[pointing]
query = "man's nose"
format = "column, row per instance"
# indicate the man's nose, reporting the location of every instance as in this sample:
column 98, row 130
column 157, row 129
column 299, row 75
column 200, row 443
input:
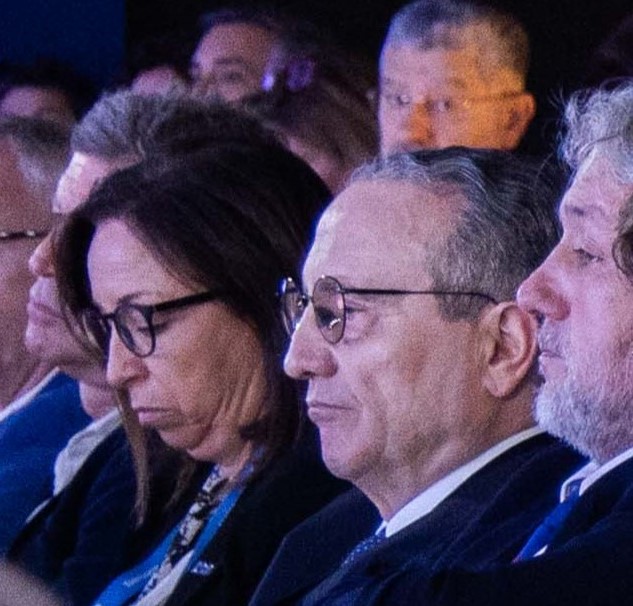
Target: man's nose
column 417, row 126
column 309, row 355
column 541, row 294
column 41, row 260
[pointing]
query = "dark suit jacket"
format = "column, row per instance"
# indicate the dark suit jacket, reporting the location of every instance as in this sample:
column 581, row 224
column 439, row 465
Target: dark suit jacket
column 75, row 541
column 87, row 534
column 30, row 440
column 589, row 562
column 286, row 493
column 454, row 531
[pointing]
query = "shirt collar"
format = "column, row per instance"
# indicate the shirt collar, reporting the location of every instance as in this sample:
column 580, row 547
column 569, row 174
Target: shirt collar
column 430, row 498
column 592, row 472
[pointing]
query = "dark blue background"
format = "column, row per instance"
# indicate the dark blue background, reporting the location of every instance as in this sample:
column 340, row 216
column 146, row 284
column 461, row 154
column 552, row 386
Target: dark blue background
column 88, row 34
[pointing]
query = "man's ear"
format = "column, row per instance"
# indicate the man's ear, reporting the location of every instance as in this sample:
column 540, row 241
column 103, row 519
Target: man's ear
column 509, row 348
column 520, row 114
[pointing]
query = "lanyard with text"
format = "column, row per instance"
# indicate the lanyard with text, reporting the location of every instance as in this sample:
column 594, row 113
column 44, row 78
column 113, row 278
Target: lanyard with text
column 131, row 583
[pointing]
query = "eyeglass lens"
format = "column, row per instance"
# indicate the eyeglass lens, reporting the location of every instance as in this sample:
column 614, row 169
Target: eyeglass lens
column 135, row 329
column 132, row 326
column 329, row 307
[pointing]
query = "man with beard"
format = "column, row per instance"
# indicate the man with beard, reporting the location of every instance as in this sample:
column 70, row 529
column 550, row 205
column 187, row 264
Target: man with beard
column 581, row 295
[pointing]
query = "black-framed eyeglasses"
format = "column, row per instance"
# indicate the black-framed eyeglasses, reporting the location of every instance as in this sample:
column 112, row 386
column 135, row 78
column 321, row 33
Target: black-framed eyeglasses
column 328, row 299
column 25, row 234
column 134, row 322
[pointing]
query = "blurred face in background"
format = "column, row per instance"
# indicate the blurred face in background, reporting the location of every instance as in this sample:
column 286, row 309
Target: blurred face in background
column 231, row 59
column 38, row 102
column 47, row 334
column 20, row 210
column 438, row 97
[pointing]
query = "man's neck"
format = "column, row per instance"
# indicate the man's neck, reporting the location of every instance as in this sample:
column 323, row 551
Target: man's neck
column 395, row 489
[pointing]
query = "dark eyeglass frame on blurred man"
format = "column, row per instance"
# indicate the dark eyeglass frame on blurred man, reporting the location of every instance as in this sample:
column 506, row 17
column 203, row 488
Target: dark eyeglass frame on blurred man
column 25, row 234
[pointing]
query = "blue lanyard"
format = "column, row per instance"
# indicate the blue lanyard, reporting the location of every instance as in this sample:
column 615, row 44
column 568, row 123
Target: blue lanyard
column 131, row 583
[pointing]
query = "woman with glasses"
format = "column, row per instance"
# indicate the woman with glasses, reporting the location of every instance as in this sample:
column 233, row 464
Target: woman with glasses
column 173, row 271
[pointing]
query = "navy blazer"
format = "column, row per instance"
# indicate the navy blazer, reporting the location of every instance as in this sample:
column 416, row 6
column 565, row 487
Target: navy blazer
column 30, row 440
column 74, row 543
column 588, row 563
column 87, row 534
column 483, row 521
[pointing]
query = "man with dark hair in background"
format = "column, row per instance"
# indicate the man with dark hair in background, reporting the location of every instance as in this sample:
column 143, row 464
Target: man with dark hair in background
column 453, row 73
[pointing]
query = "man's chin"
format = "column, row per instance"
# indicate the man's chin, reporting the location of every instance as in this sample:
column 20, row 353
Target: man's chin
column 550, row 408
column 36, row 343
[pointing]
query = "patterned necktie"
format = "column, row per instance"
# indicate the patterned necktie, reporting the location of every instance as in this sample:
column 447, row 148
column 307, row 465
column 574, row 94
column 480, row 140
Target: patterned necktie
column 206, row 502
column 364, row 546
column 549, row 528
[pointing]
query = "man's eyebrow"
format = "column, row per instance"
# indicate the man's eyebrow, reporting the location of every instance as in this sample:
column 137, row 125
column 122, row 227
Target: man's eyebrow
column 583, row 211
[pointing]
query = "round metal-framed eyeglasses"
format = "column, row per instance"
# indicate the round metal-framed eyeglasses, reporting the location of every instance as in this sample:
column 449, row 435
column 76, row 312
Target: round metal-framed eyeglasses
column 328, row 300
column 134, row 323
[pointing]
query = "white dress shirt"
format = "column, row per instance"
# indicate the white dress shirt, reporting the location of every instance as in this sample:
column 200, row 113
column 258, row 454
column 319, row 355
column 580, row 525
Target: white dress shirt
column 430, row 498
column 592, row 472
column 80, row 447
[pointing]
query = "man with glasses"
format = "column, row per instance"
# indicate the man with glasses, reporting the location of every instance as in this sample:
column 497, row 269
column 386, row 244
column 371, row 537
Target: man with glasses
column 582, row 552
column 33, row 153
column 420, row 372
column 453, row 73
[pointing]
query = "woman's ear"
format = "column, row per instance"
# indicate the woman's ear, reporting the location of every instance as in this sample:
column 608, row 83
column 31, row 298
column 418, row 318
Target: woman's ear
column 509, row 348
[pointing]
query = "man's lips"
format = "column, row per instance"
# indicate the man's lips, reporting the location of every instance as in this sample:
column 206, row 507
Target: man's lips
column 38, row 310
column 550, row 345
column 323, row 412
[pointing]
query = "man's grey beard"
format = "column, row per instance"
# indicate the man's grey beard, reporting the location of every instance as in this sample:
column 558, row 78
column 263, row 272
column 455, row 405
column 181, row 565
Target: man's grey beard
column 595, row 414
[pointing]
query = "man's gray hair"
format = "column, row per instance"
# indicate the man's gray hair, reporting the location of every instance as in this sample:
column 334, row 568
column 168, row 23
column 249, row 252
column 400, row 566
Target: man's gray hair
column 42, row 151
column 501, row 39
column 601, row 118
column 129, row 125
column 506, row 219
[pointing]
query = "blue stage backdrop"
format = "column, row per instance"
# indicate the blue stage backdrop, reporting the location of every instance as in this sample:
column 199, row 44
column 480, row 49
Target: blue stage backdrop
column 87, row 34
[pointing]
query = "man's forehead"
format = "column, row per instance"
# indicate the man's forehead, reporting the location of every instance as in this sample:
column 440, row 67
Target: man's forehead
column 419, row 60
column 234, row 40
column 595, row 196
column 377, row 228
column 462, row 62
column 80, row 177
